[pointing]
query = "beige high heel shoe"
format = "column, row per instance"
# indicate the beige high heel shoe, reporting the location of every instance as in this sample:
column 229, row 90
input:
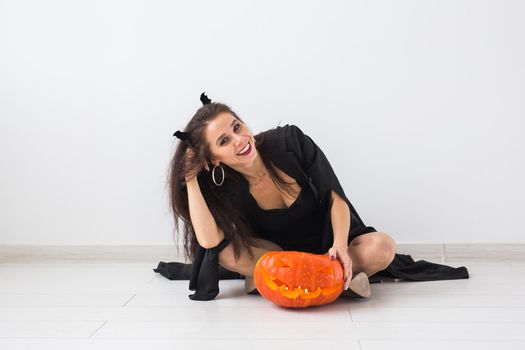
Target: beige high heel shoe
column 249, row 286
column 359, row 287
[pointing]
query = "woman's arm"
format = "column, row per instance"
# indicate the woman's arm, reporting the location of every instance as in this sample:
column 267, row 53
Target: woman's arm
column 204, row 225
column 341, row 227
column 340, row 220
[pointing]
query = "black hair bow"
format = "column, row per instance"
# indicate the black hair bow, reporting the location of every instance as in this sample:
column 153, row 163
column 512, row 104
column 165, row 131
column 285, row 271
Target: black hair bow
column 186, row 135
column 204, row 99
column 182, row 135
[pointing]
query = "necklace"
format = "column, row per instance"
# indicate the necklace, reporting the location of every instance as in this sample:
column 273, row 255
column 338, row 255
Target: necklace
column 260, row 180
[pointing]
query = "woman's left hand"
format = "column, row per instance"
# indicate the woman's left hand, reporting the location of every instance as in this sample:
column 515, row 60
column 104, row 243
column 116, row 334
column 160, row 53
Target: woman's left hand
column 341, row 253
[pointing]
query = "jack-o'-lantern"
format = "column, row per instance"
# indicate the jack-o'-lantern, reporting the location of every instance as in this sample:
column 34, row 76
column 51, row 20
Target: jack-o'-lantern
column 298, row 279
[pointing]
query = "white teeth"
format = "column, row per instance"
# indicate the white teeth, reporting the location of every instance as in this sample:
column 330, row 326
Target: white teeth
column 244, row 149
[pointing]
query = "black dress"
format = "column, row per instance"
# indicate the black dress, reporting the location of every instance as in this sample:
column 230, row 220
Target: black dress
column 298, row 227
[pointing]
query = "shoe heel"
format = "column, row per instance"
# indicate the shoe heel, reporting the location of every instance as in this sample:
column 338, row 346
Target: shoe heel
column 359, row 287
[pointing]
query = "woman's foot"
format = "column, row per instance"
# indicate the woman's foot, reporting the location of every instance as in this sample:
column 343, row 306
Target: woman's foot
column 359, row 287
column 249, row 285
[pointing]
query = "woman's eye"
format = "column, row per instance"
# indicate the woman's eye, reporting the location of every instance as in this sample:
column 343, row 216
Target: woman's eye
column 235, row 128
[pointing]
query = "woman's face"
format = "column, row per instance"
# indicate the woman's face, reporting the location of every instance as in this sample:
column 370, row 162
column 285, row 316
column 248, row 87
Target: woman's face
column 227, row 137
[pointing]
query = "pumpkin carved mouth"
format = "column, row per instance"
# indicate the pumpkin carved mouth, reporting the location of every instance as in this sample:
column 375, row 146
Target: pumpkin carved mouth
column 293, row 293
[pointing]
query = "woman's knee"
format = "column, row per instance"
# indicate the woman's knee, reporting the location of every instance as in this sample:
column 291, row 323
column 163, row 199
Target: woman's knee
column 377, row 247
column 388, row 247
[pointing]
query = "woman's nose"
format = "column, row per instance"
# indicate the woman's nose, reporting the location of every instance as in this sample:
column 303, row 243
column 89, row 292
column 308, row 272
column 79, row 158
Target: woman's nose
column 238, row 140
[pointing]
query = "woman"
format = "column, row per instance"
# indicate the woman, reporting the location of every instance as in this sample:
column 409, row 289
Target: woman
column 232, row 187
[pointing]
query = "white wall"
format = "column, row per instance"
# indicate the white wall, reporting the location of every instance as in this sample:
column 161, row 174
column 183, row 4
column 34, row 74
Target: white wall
column 417, row 104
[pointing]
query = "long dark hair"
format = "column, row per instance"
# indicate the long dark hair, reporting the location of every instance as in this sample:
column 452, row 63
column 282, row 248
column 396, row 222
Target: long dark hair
column 227, row 217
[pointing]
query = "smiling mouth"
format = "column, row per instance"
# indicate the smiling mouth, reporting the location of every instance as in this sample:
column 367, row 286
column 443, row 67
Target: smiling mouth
column 247, row 150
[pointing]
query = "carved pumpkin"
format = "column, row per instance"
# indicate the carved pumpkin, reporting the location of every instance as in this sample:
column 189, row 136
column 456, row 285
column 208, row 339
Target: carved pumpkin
column 298, row 279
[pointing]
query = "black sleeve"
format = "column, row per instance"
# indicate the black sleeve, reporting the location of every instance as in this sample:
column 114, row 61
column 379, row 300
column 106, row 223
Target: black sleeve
column 204, row 279
column 315, row 164
column 322, row 180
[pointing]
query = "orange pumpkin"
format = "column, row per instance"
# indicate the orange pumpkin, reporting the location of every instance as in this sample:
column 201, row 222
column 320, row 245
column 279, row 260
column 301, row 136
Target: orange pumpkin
column 298, row 279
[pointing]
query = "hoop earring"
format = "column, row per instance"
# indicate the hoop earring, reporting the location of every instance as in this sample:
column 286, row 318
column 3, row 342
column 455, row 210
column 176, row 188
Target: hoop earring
column 213, row 175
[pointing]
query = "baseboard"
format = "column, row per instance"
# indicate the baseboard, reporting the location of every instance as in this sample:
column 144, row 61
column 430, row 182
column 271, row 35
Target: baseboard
column 435, row 252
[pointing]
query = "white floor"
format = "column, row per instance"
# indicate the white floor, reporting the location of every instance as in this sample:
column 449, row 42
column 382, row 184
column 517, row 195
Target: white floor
column 128, row 306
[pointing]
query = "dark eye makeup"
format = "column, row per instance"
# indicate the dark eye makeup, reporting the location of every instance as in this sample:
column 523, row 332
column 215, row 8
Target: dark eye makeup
column 235, row 128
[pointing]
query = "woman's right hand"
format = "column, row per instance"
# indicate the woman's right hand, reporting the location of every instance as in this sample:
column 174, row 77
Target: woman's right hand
column 190, row 168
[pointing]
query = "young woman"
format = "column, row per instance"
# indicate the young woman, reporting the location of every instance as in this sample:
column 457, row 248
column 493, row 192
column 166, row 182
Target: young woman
column 249, row 194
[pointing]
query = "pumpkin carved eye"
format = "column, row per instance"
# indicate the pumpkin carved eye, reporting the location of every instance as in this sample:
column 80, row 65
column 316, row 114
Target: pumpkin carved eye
column 279, row 263
column 329, row 270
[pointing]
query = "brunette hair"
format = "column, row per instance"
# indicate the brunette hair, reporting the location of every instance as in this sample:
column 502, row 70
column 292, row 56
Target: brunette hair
column 227, row 217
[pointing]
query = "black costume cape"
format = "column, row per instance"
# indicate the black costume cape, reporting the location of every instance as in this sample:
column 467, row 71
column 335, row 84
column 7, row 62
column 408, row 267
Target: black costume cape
column 298, row 156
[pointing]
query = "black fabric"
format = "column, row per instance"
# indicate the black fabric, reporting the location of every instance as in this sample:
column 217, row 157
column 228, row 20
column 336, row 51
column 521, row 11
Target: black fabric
column 299, row 157
column 174, row 270
column 294, row 228
column 298, row 226
column 406, row 268
column 403, row 267
column 204, row 279
column 182, row 271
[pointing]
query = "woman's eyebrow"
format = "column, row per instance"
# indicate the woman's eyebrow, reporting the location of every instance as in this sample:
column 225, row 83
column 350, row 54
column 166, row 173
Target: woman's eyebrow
column 233, row 122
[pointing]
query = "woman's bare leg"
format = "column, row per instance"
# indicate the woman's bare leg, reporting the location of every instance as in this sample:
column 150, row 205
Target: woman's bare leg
column 371, row 252
column 246, row 264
